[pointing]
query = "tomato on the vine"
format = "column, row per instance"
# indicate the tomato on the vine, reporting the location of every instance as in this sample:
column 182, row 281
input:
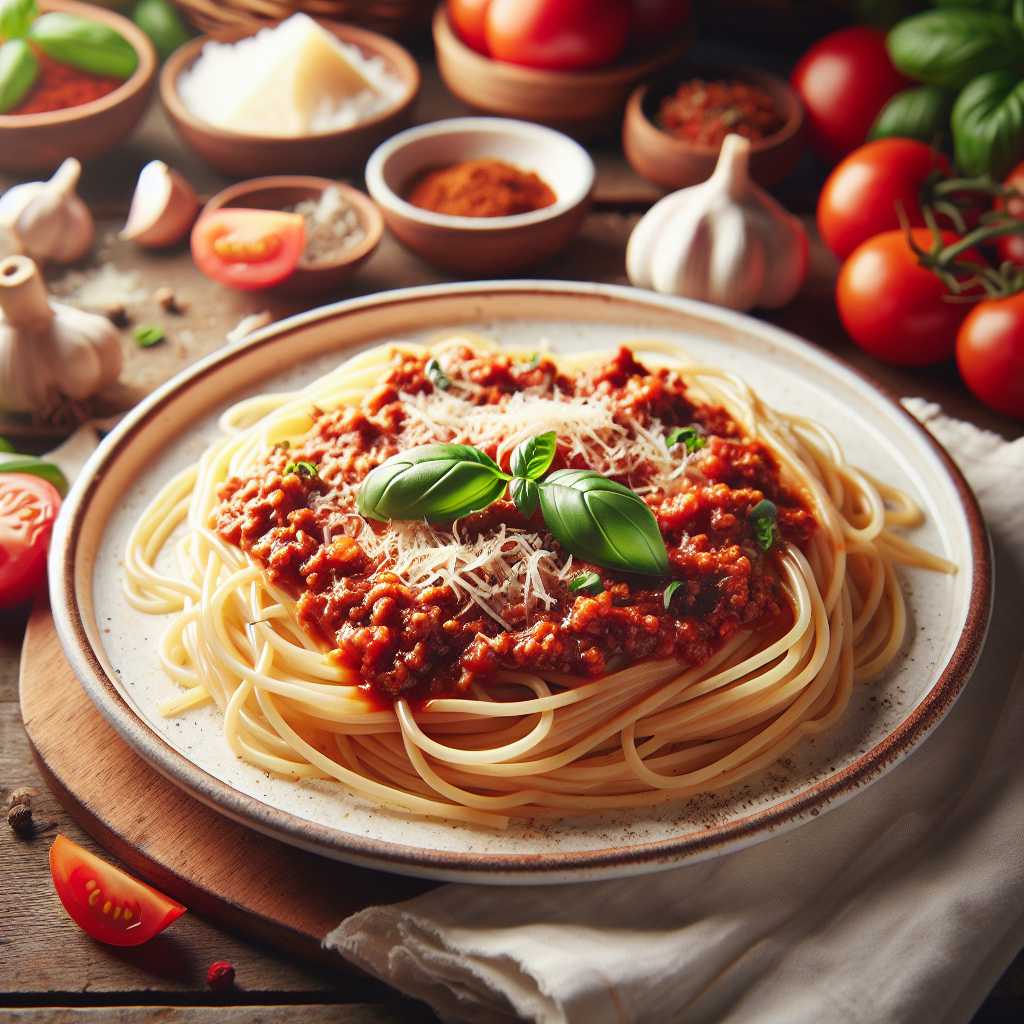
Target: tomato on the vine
column 844, row 80
column 990, row 353
column 248, row 249
column 1011, row 247
column 859, row 198
column 102, row 900
column 28, row 507
column 893, row 307
column 564, row 35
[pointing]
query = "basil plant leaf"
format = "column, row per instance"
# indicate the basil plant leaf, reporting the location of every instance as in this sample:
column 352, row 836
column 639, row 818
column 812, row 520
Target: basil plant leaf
column 670, row 592
column 16, row 16
column 11, row 463
column 525, row 495
column 999, row 6
column 918, row 113
column 952, row 46
column 602, row 522
column 534, row 456
column 988, row 124
column 436, row 482
column 586, row 583
column 88, row 45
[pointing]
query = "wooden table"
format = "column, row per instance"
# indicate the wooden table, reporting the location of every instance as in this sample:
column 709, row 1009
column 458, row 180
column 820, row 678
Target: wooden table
column 50, row 971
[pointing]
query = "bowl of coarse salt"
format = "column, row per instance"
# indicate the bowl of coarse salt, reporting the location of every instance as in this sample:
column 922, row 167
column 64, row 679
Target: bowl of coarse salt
column 309, row 96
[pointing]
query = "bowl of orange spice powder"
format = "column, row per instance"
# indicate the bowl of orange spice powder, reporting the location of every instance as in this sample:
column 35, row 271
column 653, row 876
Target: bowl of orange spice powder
column 482, row 195
column 71, row 113
column 674, row 126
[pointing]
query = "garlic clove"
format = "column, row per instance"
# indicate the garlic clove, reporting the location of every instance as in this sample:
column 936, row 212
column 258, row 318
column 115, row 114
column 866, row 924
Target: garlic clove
column 164, row 207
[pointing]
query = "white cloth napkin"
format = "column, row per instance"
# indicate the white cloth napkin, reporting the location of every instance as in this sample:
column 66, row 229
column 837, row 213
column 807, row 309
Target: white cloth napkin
column 904, row 904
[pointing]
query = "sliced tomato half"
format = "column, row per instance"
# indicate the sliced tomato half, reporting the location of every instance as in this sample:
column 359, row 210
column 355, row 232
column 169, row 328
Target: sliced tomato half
column 248, row 249
column 102, row 900
column 28, row 507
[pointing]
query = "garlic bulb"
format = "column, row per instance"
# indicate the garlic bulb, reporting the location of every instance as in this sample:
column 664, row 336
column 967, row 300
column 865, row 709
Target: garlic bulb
column 47, row 218
column 725, row 240
column 46, row 348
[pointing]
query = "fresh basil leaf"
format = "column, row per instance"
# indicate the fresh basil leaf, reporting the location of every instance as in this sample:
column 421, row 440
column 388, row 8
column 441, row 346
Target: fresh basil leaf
column 148, row 335
column 587, row 583
column 999, row 6
column 16, row 16
column 303, row 468
column 436, row 375
column 10, row 463
column 525, row 495
column 603, row 522
column 950, row 47
column 5, row 445
column 19, row 69
column 688, row 436
column 764, row 516
column 918, row 113
column 534, row 456
column 670, row 592
column 764, row 509
column 436, row 482
column 988, row 124
column 82, row 43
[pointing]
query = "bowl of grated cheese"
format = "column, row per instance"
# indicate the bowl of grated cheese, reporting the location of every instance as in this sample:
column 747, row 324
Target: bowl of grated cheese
column 309, row 96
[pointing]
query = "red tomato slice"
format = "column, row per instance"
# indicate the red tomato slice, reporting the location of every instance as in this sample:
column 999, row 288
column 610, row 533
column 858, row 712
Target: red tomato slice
column 248, row 249
column 102, row 900
column 28, row 507
column 990, row 353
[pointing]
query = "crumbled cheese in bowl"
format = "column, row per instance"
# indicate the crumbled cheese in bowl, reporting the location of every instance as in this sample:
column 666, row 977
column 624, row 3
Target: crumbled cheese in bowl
column 292, row 80
column 332, row 228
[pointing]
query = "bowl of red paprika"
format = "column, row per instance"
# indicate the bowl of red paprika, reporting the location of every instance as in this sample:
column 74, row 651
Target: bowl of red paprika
column 674, row 126
column 482, row 195
column 39, row 138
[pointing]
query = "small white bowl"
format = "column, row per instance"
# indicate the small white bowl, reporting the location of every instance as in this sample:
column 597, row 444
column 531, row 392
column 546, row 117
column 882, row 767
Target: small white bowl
column 482, row 245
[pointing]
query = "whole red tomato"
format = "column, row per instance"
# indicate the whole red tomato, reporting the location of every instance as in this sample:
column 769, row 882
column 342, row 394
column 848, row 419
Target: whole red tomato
column 990, row 353
column 467, row 18
column 859, row 198
column 565, row 35
column 1011, row 247
column 844, row 80
column 893, row 307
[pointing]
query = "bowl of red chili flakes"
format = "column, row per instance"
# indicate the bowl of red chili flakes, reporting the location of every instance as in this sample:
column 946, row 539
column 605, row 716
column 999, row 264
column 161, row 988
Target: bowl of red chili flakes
column 93, row 122
column 674, row 126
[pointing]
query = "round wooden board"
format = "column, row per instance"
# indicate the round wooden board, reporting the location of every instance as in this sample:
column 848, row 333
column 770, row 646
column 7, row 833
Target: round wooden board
column 229, row 873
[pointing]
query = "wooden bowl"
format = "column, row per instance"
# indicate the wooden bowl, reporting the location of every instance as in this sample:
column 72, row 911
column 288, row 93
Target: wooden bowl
column 583, row 104
column 675, row 163
column 275, row 193
column 31, row 142
column 333, row 153
column 482, row 246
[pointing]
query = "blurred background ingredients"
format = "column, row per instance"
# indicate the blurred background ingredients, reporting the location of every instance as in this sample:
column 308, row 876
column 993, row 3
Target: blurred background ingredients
column 57, row 60
column 332, row 227
column 481, row 188
column 293, row 80
column 161, row 22
column 705, row 112
column 164, row 207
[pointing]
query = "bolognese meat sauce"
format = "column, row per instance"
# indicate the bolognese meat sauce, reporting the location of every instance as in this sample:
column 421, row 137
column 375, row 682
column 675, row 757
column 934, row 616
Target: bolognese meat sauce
column 300, row 528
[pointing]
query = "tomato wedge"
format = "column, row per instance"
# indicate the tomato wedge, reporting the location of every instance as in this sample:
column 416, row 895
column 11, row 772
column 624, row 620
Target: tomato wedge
column 28, row 507
column 248, row 249
column 105, row 902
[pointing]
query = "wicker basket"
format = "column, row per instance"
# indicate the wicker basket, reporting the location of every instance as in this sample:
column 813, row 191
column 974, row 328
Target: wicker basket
column 390, row 17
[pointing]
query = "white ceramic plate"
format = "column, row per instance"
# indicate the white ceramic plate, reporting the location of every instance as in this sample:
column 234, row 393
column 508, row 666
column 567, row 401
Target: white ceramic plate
column 112, row 647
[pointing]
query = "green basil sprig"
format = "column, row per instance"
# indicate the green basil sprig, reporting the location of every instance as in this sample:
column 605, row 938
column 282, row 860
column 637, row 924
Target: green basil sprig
column 764, row 516
column 591, row 517
column 89, row 45
column 670, row 593
column 586, row 583
column 16, row 16
column 988, row 124
column 918, row 113
column 19, row 68
column 12, row 463
column 687, row 436
column 436, row 375
column 952, row 46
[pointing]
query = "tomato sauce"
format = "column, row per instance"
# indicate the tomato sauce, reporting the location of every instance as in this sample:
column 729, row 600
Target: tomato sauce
column 427, row 641
column 705, row 112
column 60, row 86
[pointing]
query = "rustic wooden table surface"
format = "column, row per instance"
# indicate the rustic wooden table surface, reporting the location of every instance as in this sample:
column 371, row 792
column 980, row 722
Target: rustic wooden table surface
column 50, row 971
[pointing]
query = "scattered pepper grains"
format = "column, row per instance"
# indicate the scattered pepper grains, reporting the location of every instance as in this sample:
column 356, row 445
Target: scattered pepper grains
column 705, row 112
column 481, row 188
column 221, row 975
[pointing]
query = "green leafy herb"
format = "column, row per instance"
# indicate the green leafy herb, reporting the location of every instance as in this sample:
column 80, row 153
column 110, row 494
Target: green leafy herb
column 16, row 16
column 148, row 335
column 764, row 517
column 11, row 463
column 303, row 468
column 587, row 582
column 82, row 43
column 602, row 521
column 918, row 113
column 534, row 361
column 436, row 375
column 670, row 592
column 988, row 124
column 952, row 46
column 532, row 459
column 687, row 436
column 19, row 68
column 5, row 445
column 160, row 21
column 436, row 482
column 525, row 495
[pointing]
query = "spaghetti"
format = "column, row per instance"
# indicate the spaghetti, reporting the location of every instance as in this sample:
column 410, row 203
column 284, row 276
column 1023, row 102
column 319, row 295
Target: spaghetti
column 450, row 670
